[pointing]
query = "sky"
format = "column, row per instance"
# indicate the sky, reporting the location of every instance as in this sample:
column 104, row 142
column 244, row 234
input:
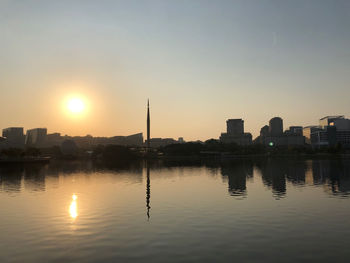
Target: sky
column 199, row 62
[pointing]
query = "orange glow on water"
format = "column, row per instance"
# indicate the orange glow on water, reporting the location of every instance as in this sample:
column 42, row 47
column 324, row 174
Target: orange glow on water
column 73, row 208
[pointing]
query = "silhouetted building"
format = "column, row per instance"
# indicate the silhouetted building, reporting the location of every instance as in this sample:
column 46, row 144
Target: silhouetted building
column 88, row 141
column 264, row 131
column 131, row 140
column 14, row 137
column 235, row 126
column 54, row 139
column 160, row 142
column 308, row 130
column 276, row 126
column 235, row 133
column 273, row 135
column 295, row 130
column 36, row 137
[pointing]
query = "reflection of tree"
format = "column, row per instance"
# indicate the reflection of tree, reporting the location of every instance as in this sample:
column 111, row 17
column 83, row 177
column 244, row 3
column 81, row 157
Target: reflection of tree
column 237, row 173
column 334, row 173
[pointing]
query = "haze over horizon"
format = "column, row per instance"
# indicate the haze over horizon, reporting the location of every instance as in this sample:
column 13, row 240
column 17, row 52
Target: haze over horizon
column 199, row 62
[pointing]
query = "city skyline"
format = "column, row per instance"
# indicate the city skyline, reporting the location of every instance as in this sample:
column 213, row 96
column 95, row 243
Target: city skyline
column 200, row 63
column 331, row 131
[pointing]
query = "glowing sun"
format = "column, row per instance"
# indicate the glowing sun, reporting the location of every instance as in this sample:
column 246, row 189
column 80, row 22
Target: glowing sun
column 75, row 105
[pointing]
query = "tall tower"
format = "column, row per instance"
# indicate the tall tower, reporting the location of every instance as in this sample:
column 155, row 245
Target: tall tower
column 148, row 126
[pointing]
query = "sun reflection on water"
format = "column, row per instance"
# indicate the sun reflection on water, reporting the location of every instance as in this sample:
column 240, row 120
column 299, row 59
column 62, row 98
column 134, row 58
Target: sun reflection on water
column 73, row 208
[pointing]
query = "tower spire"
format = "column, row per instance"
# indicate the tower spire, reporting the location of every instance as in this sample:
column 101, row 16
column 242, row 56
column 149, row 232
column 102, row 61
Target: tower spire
column 148, row 126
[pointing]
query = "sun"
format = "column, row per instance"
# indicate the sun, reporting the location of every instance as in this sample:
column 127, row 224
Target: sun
column 75, row 105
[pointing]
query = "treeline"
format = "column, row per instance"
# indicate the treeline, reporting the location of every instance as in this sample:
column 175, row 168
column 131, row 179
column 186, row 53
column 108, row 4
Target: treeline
column 17, row 153
column 115, row 154
column 215, row 146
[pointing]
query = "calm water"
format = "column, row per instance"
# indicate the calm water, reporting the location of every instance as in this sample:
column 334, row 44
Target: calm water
column 270, row 210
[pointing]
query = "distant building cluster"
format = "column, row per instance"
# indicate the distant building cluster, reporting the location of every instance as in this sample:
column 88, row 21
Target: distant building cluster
column 331, row 131
column 14, row 137
column 161, row 142
column 273, row 134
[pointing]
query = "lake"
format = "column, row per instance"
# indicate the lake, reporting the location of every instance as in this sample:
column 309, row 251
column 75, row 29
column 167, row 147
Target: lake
column 269, row 210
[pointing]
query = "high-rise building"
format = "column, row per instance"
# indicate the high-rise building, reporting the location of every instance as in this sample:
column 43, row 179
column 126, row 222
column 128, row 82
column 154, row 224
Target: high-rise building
column 276, row 126
column 14, row 137
column 235, row 126
column 235, row 133
column 36, row 137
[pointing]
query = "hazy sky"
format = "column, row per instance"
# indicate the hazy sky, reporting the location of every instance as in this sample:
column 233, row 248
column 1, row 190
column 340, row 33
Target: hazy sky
column 199, row 62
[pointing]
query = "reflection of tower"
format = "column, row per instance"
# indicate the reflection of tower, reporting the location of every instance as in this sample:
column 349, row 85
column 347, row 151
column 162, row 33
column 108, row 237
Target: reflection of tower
column 148, row 191
column 148, row 126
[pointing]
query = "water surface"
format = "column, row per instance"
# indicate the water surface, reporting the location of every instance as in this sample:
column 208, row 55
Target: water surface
column 244, row 211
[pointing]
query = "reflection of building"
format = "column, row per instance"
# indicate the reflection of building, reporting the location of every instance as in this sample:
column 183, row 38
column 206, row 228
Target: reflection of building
column 235, row 133
column 36, row 137
column 14, row 137
column 296, row 172
column 274, row 176
column 15, row 178
column 335, row 174
column 237, row 174
column 333, row 130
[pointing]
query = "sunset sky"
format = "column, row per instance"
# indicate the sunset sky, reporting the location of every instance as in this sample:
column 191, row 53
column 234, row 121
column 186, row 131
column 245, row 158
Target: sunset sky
column 199, row 63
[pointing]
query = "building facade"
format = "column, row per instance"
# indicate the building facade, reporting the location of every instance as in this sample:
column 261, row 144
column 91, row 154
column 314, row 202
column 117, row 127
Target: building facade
column 36, row 137
column 332, row 131
column 235, row 133
column 14, row 137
